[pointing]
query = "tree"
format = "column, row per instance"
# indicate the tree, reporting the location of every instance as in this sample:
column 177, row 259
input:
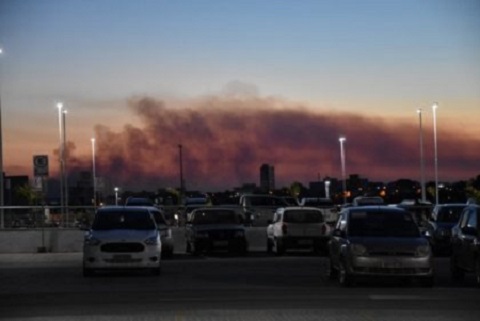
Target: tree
column 27, row 193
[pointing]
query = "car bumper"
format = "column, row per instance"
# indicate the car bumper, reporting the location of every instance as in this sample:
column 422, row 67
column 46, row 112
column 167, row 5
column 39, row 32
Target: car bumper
column 238, row 244
column 304, row 242
column 93, row 258
column 391, row 266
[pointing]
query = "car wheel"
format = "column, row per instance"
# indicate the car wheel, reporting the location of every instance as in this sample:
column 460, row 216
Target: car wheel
column 333, row 273
column 456, row 273
column 88, row 272
column 344, row 278
column 269, row 246
column 279, row 247
column 477, row 271
column 157, row 271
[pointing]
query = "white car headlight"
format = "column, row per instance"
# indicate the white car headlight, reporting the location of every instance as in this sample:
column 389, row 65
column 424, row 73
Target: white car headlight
column 422, row 250
column 358, row 250
column 154, row 240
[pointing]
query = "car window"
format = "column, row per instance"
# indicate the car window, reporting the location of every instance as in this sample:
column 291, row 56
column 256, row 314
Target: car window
column 216, row 217
column 303, row 216
column 382, row 224
column 132, row 220
column 159, row 218
column 464, row 218
column 449, row 214
column 472, row 219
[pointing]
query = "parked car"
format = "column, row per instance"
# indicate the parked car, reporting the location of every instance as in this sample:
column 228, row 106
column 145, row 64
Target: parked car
column 165, row 232
column 122, row 238
column 215, row 228
column 258, row 208
column 138, row 201
column 330, row 212
column 466, row 245
column 443, row 218
column 297, row 228
column 371, row 241
column 368, row 200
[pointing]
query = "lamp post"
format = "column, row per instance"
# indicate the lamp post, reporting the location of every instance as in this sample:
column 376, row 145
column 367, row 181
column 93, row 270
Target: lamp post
column 182, row 187
column 60, row 155
column 64, row 163
column 116, row 195
column 2, row 191
column 344, row 178
column 94, row 177
column 434, row 109
column 422, row 162
column 327, row 189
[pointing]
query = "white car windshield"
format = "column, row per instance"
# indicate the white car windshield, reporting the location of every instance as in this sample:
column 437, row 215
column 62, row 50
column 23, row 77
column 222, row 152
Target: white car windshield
column 125, row 220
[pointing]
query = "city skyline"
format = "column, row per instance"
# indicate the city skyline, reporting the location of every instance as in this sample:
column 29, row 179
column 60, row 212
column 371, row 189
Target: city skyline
column 240, row 85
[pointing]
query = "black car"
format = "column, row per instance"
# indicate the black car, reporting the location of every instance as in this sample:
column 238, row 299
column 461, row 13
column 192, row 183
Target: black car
column 443, row 218
column 210, row 229
column 466, row 245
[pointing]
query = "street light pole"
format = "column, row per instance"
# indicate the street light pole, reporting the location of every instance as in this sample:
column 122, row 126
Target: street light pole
column 60, row 154
column 65, row 156
column 344, row 178
column 422, row 162
column 94, row 176
column 181, row 171
column 434, row 108
column 2, row 183
column 116, row 195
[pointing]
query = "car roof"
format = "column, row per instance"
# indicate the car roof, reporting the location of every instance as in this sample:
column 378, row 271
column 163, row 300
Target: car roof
column 121, row 209
column 296, row 208
column 375, row 208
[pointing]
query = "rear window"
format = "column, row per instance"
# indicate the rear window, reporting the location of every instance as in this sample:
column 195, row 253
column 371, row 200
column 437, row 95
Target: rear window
column 382, row 224
column 216, row 217
column 449, row 214
column 123, row 220
column 302, row 216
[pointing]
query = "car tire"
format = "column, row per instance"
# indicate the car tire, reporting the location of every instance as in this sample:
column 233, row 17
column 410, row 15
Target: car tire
column 269, row 246
column 157, row 271
column 279, row 247
column 333, row 273
column 344, row 278
column 456, row 273
column 477, row 272
column 88, row 272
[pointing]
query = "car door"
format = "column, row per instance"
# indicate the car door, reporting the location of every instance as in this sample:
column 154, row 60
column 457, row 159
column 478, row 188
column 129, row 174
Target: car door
column 337, row 239
column 468, row 241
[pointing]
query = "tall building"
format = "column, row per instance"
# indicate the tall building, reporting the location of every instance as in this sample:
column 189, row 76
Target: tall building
column 267, row 178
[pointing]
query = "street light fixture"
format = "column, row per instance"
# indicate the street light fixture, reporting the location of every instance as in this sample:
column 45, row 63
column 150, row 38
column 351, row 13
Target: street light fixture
column 94, row 177
column 116, row 195
column 434, row 109
column 342, row 139
column 422, row 162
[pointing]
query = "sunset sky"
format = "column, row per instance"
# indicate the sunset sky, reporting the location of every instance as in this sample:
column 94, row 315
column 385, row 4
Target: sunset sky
column 241, row 83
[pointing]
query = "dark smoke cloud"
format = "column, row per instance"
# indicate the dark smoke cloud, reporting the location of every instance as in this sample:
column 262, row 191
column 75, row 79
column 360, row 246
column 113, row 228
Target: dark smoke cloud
column 226, row 139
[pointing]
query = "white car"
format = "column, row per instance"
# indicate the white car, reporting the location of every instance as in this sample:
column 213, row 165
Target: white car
column 297, row 228
column 122, row 238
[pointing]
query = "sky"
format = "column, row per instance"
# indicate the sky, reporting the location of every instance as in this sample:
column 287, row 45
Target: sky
column 239, row 84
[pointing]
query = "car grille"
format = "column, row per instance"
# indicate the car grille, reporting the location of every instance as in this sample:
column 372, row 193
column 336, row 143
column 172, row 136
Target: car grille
column 221, row 235
column 391, row 253
column 122, row 247
column 393, row 271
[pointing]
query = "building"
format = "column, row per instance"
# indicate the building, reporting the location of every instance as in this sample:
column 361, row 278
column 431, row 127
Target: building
column 267, row 178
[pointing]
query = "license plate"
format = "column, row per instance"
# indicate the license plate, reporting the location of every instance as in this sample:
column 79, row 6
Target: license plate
column 392, row 264
column 122, row 258
column 305, row 242
column 220, row 243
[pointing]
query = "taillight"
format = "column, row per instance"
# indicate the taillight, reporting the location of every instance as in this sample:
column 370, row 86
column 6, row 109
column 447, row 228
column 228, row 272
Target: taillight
column 284, row 228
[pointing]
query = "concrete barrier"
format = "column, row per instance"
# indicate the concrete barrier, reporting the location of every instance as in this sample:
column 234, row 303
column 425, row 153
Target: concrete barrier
column 64, row 240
